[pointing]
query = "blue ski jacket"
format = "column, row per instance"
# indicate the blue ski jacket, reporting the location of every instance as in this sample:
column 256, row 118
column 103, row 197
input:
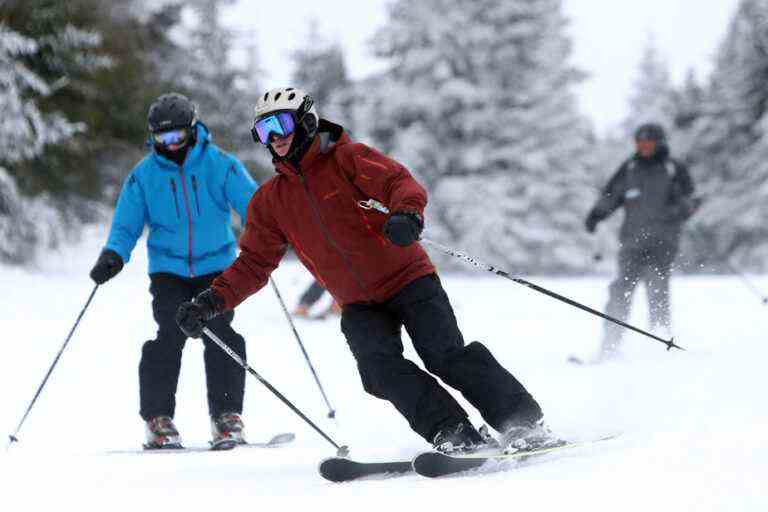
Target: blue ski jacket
column 187, row 209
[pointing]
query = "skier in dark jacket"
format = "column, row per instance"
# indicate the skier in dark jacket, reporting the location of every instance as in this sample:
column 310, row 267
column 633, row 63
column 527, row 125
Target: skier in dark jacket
column 656, row 192
column 375, row 268
column 184, row 190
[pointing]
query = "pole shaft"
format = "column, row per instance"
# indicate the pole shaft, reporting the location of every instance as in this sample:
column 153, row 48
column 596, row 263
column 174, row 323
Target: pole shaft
column 331, row 412
column 269, row 386
column 484, row 266
column 752, row 288
column 13, row 437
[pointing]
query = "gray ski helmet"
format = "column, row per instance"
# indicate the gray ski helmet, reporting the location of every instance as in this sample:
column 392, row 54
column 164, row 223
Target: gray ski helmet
column 651, row 131
column 171, row 110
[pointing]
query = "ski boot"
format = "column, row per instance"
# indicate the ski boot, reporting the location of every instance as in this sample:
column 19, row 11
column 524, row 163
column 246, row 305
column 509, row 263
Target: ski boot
column 458, row 438
column 333, row 310
column 528, row 436
column 301, row 311
column 162, row 434
column 227, row 430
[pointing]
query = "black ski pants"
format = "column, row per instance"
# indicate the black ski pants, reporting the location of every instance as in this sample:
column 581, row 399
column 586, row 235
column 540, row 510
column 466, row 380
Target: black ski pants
column 422, row 307
column 161, row 358
column 312, row 294
column 652, row 264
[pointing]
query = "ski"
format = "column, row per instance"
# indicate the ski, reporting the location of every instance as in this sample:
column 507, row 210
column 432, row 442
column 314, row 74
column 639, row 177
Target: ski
column 435, row 464
column 340, row 469
column 275, row 442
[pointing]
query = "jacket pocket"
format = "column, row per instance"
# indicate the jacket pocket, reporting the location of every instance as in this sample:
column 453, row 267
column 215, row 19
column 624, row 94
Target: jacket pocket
column 175, row 198
column 197, row 198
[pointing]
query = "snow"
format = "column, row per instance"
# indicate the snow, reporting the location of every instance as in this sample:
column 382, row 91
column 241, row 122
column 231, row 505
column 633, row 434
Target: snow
column 695, row 423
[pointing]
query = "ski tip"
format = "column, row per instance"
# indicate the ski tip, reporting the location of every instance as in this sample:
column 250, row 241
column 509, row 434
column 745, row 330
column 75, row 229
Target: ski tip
column 576, row 360
column 283, row 438
column 337, row 469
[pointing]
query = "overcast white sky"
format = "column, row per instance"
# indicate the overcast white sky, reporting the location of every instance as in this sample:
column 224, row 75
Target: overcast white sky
column 608, row 35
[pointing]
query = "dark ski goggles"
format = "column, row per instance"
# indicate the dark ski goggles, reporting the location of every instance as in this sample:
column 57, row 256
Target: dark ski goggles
column 282, row 124
column 175, row 137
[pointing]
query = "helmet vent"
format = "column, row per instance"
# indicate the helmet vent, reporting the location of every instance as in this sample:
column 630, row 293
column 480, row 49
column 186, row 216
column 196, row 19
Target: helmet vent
column 291, row 96
column 277, row 96
column 289, row 89
column 266, row 95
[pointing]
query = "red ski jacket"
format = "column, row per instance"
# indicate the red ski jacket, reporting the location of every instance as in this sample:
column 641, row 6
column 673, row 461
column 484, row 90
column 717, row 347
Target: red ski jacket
column 315, row 208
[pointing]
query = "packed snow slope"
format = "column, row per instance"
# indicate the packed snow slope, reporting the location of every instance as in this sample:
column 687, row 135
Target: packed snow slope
column 694, row 423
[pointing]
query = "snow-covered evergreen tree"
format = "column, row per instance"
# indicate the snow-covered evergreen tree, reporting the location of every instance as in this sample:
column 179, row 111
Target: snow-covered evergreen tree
column 653, row 93
column 319, row 67
column 730, row 146
column 477, row 100
column 688, row 102
column 211, row 80
column 24, row 131
column 24, row 128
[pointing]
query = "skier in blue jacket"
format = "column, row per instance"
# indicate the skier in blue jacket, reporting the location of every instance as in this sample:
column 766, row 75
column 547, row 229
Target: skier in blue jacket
column 183, row 190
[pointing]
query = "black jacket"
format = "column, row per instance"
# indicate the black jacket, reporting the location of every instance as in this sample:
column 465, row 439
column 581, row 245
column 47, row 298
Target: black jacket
column 657, row 196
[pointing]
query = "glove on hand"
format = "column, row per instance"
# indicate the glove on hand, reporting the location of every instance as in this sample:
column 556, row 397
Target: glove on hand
column 107, row 266
column 690, row 205
column 403, row 228
column 591, row 223
column 193, row 316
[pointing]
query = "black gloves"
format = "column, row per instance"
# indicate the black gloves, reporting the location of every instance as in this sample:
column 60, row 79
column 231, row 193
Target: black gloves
column 403, row 228
column 107, row 266
column 592, row 219
column 684, row 208
column 192, row 316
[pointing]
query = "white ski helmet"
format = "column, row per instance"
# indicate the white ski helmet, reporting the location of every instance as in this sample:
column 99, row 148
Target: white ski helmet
column 289, row 99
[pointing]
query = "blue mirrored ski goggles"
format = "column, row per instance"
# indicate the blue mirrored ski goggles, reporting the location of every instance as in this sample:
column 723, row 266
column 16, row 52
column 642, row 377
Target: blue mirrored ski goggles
column 281, row 124
column 171, row 137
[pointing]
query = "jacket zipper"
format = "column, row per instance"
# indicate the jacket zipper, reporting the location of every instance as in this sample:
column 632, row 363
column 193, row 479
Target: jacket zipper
column 328, row 237
column 175, row 198
column 194, row 189
column 189, row 219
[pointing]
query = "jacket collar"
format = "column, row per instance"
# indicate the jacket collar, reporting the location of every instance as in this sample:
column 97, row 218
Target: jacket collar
column 202, row 140
column 329, row 135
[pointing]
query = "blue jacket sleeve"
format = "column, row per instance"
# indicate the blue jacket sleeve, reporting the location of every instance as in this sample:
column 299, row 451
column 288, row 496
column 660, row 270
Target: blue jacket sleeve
column 239, row 188
column 129, row 220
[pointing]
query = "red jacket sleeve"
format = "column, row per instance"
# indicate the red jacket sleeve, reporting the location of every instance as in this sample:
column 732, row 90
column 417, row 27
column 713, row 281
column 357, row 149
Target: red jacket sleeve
column 262, row 246
column 382, row 178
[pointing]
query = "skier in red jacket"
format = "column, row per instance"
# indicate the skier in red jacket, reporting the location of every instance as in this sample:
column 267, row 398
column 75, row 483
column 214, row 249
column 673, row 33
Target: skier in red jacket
column 375, row 269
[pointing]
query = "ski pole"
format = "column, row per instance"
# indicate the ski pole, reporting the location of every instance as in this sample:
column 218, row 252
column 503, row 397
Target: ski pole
column 484, row 266
column 376, row 205
column 331, row 411
column 342, row 451
column 13, row 438
column 700, row 236
column 746, row 282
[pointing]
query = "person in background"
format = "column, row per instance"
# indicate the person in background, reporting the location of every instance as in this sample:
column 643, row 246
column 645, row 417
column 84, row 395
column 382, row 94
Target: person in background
column 656, row 192
column 309, row 298
column 184, row 190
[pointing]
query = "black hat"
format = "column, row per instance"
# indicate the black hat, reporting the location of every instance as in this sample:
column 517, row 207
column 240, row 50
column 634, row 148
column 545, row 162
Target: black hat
column 172, row 110
column 651, row 131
